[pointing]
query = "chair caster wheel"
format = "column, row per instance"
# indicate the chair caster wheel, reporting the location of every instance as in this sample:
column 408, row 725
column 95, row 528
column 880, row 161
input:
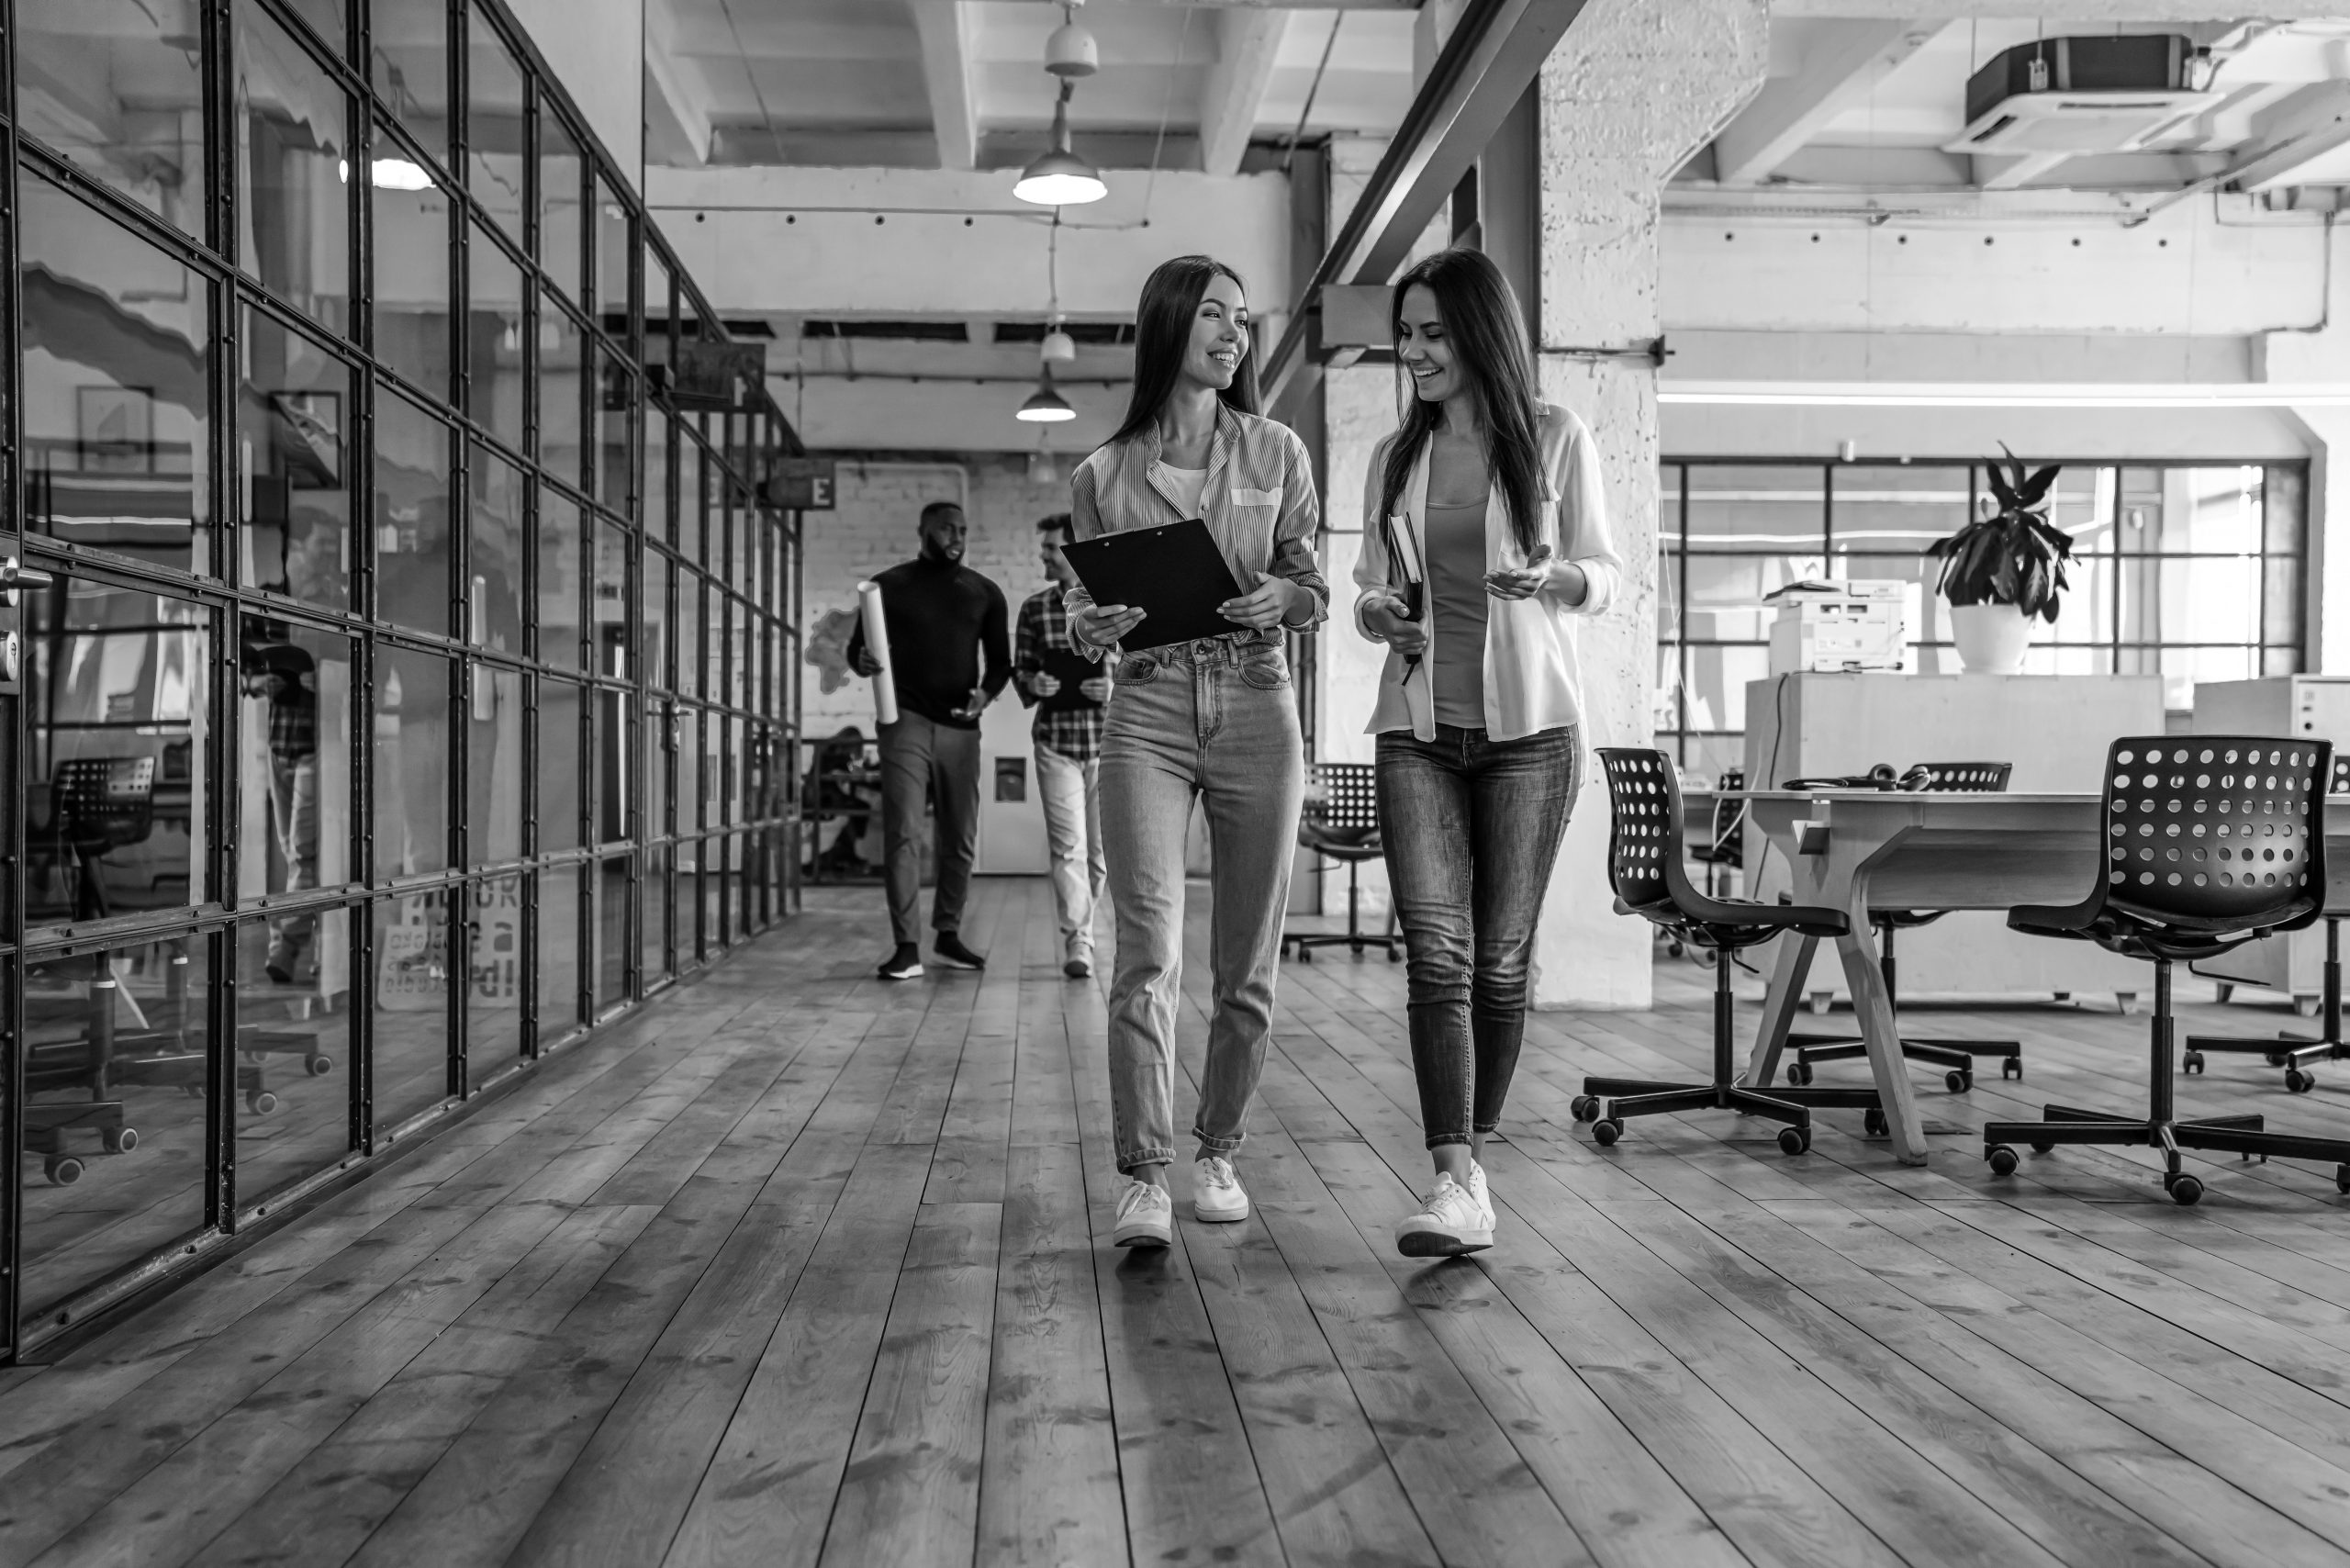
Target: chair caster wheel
column 2002, row 1159
column 1584, row 1107
column 1800, row 1074
column 1306, row 954
column 2043, row 1148
column 261, row 1102
column 2012, row 1067
column 2341, row 1179
column 2191, row 1063
column 319, row 1066
column 1607, row 1132
column 1874, row 1124
column 2298, row 1082
column 1958, row 1082
column 1794, row 1140
column 122, row 1142
column 62, row 1170
column 2184, row 1191
column 1393, row 957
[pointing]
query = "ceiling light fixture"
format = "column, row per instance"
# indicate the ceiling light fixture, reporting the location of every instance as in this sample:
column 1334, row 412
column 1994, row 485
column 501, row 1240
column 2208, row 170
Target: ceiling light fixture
column 1044, row 406
column 1058, row 347
column 1060, row 177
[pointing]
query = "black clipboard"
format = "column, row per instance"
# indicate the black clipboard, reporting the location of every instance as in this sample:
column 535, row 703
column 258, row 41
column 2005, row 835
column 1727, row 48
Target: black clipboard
column 1071, row 670
column 1175, row 572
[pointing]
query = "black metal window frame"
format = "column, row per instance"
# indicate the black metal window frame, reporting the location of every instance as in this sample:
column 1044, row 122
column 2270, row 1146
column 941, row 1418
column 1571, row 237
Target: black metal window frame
column 2275, row 657
column 753, row 846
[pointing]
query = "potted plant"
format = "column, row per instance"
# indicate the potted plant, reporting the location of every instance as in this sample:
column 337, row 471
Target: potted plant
column 2003, row 569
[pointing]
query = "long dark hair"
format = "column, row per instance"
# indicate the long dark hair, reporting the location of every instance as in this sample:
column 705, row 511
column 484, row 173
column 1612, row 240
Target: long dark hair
column 1482, row 323
column 1170, row 302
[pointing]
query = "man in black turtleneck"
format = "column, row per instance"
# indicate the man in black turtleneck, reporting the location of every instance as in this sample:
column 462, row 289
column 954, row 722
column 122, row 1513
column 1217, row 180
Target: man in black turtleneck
column 942, row 617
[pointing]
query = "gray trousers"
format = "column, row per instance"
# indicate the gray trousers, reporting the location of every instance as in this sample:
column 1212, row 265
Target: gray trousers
column 922, row 758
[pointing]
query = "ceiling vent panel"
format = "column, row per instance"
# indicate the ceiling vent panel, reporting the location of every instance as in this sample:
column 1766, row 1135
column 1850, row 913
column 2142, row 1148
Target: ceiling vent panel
column 2080, row 95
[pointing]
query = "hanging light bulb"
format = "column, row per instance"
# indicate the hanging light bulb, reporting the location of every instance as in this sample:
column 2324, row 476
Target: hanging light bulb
column 1044, row 406
column 1058, row 347
column 1060, row 177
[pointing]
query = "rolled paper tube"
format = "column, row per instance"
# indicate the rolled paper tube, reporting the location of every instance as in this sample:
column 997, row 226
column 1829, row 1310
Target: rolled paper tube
column 876, row 642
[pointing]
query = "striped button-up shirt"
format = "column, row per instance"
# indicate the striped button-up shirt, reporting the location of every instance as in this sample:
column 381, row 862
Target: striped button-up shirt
column 1258, row 503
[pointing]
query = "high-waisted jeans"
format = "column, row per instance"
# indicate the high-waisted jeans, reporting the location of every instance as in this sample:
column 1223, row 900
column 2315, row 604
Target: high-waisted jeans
column 1215, row 721
column 1472, row 828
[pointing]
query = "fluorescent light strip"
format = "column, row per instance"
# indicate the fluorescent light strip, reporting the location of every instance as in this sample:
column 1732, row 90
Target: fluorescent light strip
column 2003, row 394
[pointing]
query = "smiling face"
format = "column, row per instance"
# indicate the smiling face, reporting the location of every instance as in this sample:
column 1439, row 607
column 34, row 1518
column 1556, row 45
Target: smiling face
column 1219, row 335
column 1422, row 345
column 1048, row 550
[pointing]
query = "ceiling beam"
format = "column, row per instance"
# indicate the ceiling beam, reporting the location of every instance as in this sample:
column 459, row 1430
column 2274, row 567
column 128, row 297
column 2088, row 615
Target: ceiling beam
column 1842, row 66
column 2015, row 173
column 2322, row 125
column 946, row 29
column 677, row 95
column 1493, row 57
column 1249, row 45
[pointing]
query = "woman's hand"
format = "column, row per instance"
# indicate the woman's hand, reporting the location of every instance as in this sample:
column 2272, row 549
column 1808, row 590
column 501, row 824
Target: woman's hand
column 1265, row 607
column 1384, row 617
column 1102, row 624
column 1097, row 689
column 1538, row 574
column 1043, row 685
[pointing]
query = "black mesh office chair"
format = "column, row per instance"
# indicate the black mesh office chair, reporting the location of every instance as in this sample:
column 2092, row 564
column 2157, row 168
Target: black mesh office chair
column 1644, row 866
column 1956, row 1056
column 1341, row 823
column 2210, row 841
column 2296, row 1053
column 96, row 804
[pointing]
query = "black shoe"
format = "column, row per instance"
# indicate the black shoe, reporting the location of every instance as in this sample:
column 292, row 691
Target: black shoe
column 903, row 964
column 278, row 974
column 949, row 947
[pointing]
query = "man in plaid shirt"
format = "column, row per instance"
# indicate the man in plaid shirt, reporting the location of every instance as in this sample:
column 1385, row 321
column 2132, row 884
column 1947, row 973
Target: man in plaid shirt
column 1069, row 748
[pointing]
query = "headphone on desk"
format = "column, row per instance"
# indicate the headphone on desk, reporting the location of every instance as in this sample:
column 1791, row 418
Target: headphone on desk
column 1882, row 777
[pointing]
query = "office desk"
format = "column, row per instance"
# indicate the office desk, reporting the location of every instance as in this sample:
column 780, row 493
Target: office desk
column 1856, row 850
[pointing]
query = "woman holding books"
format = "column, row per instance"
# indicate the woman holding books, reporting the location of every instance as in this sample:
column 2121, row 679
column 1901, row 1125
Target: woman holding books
column 1212, row 720
column 1485, row 532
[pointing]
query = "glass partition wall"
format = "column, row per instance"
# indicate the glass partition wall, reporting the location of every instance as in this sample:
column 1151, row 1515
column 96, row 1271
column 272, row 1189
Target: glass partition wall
column 1731, row 532
column 396, row 683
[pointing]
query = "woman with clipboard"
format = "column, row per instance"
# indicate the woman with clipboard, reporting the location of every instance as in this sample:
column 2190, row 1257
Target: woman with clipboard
column 1211, row 719
column 1485, row 529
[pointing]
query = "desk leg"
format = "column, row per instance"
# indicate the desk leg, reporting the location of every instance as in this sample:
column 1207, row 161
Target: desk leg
column 1779, row 1004
column 1865, row 979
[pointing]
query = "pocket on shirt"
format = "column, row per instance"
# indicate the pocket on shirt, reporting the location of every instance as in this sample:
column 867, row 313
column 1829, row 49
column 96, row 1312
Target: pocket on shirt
column 1242, row 496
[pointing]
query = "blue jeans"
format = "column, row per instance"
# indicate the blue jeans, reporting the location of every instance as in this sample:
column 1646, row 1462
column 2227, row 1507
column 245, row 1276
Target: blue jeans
column 1215, row 721
column 1471, row 829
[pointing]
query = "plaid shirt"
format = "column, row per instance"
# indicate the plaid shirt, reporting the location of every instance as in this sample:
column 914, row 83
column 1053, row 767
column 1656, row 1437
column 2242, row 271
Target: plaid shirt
column 1044, row 624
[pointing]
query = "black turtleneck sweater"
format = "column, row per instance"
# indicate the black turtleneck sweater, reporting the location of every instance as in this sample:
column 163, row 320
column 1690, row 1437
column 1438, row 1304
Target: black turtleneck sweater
column 941, row 616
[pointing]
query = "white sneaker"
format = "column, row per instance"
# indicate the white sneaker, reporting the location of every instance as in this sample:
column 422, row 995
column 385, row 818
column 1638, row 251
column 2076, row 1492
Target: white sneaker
column 1216, row 1194
column 1477, row 1190
column 1451, row 1221
column 1146, row 1217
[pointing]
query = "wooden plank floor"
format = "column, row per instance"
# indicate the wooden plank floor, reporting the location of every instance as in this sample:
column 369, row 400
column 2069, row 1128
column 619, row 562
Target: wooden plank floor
column 797, row 1267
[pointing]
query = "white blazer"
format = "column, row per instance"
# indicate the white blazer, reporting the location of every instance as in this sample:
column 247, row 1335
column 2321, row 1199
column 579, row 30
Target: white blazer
column 1533, row 678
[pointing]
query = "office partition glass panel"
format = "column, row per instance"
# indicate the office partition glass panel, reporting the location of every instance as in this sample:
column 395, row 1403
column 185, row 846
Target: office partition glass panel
column 614, row 248
column 614, row 408
column 613, row 599
column 494, row 563
column 295, row 404
column 327, row 19
column 117, row 705
column 660, row 455
column 494, row 978
column 412, row 252
column 296, row 1043
column 691, row 520
column 495, row 382
column 561, row 179
column 494, row 771
column 660, row 594
column 293, row 163
column 686, row 730
column 562, row 382
column 559, row 544
column 414, row 458
column 413, row 764
column 562, row 744
column 659, row 311
column 689, row 633
column 115, row 1048
column 494, row 143
column 557, row 909
column 117, row 91
column 611, row 933
column 408, row 62
column 410, row 1024
column 660, row 765
column 652, row 930
column 117, row 360
column 296, row 688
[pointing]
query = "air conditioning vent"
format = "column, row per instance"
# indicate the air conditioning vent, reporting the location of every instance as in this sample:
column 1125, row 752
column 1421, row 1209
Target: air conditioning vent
column 2080, row 95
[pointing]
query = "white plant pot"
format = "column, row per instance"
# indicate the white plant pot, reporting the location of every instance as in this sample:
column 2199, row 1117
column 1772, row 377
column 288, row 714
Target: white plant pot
column 1992, row 638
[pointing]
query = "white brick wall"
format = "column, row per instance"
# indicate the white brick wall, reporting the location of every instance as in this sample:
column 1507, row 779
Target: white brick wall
column 873, row 528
